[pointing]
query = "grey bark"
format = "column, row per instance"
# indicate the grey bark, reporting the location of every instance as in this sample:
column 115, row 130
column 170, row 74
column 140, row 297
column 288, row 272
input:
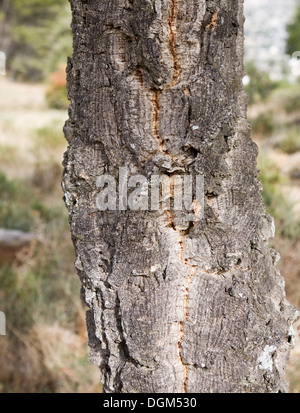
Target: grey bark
column 156, row 85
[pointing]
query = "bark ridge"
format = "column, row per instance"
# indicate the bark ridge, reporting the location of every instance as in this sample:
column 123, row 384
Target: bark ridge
column 156, row 86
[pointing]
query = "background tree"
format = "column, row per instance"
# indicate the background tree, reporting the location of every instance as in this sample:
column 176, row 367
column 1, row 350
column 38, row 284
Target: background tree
column 260, row 84
column 35, row 36
column 156, row 86
column 293, row 29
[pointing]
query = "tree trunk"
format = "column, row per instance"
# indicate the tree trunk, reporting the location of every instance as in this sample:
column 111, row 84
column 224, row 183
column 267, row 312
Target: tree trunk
column 156, row 86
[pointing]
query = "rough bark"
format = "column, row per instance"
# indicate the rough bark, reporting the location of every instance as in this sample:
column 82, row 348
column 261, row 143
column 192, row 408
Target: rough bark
column 156, row 85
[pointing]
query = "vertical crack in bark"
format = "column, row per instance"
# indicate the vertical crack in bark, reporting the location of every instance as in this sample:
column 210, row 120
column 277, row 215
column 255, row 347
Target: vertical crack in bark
column 155, row 95
column 106, row 353
column 172, row 26
column 155, row 100
column 185, row 314
column 156, row 108
column 190, row 277
column 139, row 76
column 111, row 350
column 181, row 329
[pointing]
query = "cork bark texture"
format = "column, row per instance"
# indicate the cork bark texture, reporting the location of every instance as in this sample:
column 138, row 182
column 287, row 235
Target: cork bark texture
column 156, row 86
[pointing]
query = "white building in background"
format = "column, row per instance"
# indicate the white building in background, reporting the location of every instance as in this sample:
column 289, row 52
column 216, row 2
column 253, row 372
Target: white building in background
column 265, row 33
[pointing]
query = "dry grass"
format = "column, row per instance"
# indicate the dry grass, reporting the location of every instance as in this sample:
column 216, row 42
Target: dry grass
column 47, row 359
column 284, row 199
column 45, row 349
column 293, row 369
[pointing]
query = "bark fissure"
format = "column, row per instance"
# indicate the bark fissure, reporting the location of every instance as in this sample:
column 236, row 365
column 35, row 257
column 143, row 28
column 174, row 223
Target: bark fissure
column 123, row 348
column 189, row 279
column 172, row 28
column 155, row 101
column 156, row 95
column 105, row 341
column 180, row 306
column 214, row 21
column 181, row 326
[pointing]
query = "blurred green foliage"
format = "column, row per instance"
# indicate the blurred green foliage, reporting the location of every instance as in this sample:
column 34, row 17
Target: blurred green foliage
column 44, row 292
column 260, row 85
column 291, row 143
column 293, row 30
column 56, row 94
column 292, row 103
column 263, row 124
column 38, row 36
column 270, row 178
column 37, row 292
column 19, row 296
column 287, row 222
column 49, row 137
column 19, row 208
column 15, row 205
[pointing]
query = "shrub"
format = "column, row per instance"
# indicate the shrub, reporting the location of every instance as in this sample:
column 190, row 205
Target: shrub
column 38, row 37
column 287, row 223
column 18, row 297
column 260, row 85
column 291, row 143
column 293, row 30
column 270, row 178
column 19, row 209
column 56, row 94
column 14, row 211
column 263, row 124
column 292, row 103
column 50, row 137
